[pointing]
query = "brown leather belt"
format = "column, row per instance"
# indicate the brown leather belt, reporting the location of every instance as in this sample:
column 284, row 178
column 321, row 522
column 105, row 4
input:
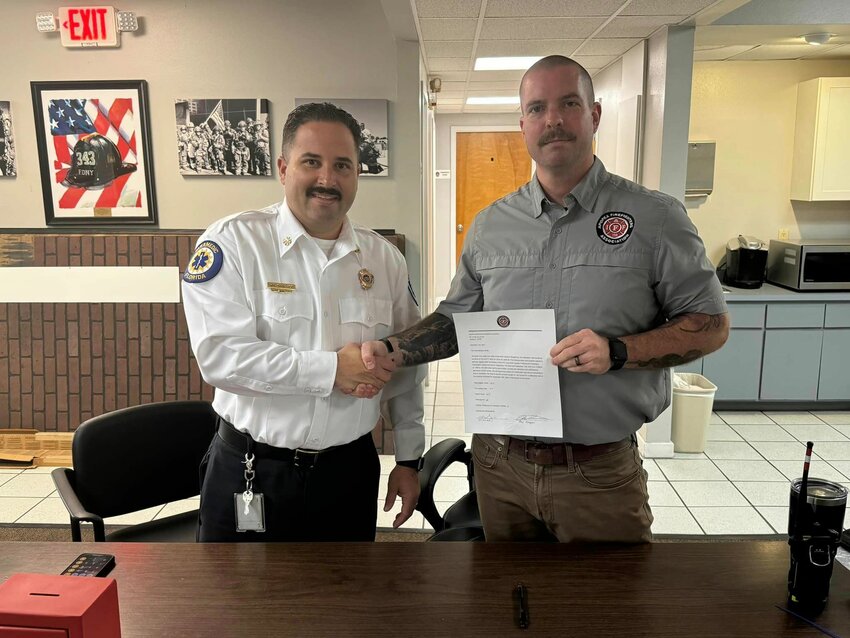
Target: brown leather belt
column 556, row 453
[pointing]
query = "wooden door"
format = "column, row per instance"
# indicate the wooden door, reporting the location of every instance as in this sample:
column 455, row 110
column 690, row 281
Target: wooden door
column 489, row 165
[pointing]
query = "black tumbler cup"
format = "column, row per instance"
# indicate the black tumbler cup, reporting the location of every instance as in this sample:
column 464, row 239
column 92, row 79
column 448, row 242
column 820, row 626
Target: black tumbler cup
column 813, row 534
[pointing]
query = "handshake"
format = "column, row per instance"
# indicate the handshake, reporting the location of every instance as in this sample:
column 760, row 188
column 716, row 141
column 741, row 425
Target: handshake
column 362, row 370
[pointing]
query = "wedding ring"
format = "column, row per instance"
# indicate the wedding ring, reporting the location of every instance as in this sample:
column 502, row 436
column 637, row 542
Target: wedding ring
column 578, row 361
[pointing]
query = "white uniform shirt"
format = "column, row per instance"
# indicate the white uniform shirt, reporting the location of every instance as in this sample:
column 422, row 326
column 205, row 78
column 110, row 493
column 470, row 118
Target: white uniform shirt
column 272, row 355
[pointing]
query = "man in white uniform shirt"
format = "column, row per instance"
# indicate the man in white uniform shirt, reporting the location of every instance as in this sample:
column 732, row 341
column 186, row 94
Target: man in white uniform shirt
column 277, row 301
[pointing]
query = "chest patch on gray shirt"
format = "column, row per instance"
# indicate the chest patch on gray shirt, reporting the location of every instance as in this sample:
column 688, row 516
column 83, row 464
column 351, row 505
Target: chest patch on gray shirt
column 615, row 227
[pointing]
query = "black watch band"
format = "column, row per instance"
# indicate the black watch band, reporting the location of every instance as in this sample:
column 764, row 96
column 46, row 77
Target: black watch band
column 413, row 464
column 618, row 353
column 389, row 345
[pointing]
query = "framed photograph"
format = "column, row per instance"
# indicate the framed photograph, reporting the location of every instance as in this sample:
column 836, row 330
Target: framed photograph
column 222, row 136
column 94, row 152
column 7, row 141
column 373, row 117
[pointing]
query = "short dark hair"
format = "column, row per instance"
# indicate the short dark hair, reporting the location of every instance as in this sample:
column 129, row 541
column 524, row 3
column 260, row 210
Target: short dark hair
column 552, row 61
column 318, row 112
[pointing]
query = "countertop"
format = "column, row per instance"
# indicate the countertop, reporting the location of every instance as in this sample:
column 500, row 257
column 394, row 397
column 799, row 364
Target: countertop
column 769, row 292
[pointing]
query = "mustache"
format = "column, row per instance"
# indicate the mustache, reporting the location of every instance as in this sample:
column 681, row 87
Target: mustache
column 553, row 136
column 318, row 190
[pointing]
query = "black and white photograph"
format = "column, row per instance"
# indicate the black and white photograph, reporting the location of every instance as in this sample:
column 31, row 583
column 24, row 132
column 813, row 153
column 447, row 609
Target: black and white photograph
column 7, row 141
column 222, row 136
column 372, row 116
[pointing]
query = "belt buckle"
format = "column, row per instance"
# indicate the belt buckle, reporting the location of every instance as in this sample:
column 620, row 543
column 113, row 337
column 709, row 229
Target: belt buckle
column 313, row 455
column 528, row 460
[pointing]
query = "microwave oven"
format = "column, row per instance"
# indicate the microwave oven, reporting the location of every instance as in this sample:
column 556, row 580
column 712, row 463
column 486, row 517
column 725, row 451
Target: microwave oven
column 809, row 264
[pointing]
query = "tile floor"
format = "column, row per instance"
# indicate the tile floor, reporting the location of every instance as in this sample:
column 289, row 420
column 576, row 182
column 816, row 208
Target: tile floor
column 739, row 485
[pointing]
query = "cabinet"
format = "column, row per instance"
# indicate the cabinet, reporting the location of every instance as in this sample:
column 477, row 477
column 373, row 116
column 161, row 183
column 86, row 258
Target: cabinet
column 736, row 368
column 821, row 164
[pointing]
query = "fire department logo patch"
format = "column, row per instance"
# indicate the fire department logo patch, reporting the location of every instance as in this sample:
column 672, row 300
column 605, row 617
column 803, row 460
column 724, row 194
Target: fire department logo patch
column 205, row 263
column 503, row 321
column 615, row 227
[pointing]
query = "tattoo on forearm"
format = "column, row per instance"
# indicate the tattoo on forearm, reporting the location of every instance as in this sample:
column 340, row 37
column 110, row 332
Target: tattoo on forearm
column 669, row 360
column 702, row 323
column 432, row 338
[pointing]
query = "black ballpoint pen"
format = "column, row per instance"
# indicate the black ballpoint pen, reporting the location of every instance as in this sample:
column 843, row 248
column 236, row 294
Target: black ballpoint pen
column 523, row 608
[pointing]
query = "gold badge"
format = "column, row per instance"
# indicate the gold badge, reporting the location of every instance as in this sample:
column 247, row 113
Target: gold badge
column 366, row 279
column 287, row 241
column 275, row 286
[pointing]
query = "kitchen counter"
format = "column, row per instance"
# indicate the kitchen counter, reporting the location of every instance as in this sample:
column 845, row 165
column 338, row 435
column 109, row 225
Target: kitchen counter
column 769, row 292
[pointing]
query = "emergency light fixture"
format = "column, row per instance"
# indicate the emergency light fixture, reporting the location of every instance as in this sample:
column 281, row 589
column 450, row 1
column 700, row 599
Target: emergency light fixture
column 93, row 26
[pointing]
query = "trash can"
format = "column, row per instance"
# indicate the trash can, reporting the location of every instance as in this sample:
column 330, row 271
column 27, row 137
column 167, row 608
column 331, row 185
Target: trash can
column 693, row 399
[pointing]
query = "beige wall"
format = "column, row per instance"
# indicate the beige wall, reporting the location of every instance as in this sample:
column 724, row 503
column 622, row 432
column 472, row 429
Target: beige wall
column 275, row 49
column 749, row 110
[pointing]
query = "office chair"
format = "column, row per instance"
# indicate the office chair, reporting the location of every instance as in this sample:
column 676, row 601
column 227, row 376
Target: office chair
column 461, row 521
column 135, row 458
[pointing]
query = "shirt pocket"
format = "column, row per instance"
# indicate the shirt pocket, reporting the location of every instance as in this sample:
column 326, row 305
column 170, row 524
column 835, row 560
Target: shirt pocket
column 284, row 318
column 364, row 319
column 507, row 281
column 609, row 291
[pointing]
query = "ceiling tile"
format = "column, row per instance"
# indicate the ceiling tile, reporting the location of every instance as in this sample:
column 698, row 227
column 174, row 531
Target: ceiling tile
column 595, row 61
column 512, row 92
column 446, row 101
column 665, row 7
column 491, row 48
column 552, row 8
column 447, row 29
column 534, row 28
column 449, row 108
column 608, row 46
column 720, row 53
column 487, row 76
column 506, row 85
column 636, row 26
column 448, row 8
column 435, row 65
column 453, row 76
column 448, row 48
column 451, row 95
column 448, row 87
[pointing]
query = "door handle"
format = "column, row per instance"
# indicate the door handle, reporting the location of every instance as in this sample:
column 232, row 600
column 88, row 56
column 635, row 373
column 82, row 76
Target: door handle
column 460, row 228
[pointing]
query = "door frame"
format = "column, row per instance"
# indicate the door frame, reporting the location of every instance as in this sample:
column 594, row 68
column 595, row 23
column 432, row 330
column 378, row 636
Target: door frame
column 454, row 130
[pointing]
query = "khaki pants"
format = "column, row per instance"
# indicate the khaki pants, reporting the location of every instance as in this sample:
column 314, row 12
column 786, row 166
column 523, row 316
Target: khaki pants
column 600, row 500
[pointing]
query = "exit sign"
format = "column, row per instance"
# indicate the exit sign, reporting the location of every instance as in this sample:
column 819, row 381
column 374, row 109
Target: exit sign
column 88, row 26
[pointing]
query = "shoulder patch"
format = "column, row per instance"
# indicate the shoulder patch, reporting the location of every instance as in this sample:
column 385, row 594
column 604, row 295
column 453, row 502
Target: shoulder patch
column 410, row 291
column 615, row 227
column 205, row 263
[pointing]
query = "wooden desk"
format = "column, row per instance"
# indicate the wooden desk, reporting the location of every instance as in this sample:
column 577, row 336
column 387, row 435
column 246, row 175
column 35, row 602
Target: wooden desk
column 446, row 589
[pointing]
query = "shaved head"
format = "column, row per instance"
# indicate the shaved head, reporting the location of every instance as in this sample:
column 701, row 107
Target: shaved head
column 553, row 61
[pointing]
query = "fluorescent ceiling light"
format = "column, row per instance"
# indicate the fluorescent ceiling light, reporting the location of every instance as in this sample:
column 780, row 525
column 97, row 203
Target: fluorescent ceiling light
column 817, row 38
column 505, row 64
column 493, row 100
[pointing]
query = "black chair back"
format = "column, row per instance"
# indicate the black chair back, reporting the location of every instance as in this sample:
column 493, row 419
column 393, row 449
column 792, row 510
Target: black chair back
column 141, row 456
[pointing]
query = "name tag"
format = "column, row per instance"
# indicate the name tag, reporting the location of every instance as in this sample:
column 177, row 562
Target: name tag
column 275, row 286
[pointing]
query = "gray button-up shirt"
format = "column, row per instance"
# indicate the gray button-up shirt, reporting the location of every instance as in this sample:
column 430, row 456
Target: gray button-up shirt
column 616, row 258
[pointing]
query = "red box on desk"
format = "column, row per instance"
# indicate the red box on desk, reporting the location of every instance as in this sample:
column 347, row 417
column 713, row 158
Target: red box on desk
column 45, row 605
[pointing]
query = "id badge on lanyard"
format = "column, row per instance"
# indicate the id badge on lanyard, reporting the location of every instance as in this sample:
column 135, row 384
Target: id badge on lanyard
column 250, row 511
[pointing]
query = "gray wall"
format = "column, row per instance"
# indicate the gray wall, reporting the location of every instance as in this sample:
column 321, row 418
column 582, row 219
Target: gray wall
column 275, row 49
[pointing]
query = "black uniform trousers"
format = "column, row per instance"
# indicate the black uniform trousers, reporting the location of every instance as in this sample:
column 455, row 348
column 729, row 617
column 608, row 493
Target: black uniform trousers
column 329, row 496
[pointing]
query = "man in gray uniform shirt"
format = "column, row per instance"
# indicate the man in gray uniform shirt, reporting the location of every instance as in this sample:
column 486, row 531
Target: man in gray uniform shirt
column 633, row 294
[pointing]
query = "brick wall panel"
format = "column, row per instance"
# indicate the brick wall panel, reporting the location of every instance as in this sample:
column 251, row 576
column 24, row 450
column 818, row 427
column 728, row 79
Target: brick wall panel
column 61, row 364
column 26, row 375
column 49, row 376
column 63, row 251
column 86, row 250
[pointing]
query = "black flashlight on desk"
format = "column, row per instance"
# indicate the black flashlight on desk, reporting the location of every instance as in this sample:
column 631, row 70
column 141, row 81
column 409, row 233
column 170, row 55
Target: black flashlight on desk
column 815, row 522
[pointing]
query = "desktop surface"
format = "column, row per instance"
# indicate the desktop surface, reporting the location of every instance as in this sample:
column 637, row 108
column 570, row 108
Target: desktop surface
column 447, row 589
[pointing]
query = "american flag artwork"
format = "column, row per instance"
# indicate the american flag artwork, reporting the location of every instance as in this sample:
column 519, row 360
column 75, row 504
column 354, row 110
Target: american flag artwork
column 71, row 119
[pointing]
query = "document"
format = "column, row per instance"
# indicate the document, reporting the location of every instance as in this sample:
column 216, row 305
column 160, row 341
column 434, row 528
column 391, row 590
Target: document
column 509, row 383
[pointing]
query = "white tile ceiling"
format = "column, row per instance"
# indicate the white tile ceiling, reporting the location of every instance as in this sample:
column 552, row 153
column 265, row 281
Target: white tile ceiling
column 453, row 33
